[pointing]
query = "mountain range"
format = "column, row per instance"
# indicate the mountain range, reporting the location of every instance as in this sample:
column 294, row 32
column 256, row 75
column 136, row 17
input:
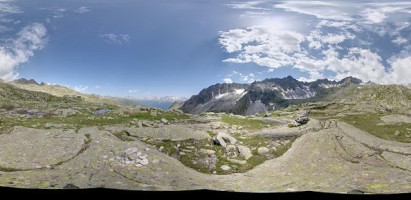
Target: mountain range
column 261, row 96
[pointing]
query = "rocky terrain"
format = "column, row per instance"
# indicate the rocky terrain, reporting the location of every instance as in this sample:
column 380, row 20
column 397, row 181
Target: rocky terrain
column 356, row 138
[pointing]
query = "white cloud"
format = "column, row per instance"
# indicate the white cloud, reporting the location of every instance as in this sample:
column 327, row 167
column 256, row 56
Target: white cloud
column 240, row 77
column 262, row 46
column 400, row 70
column 348, row 11
column 17, row 51
column 7, row 8
column 399, row 40
column 82, row 10
column 373, row 16
column 228, row 80
column 80, row 88
column 251, row 5
column 133, row 91
column 115, row 39
column 319, row 9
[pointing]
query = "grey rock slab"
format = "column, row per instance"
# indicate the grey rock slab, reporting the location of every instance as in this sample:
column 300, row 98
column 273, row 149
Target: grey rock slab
column 278, row 132
column 169, row 132
column 403, row 161
column 372, row 141
column 27, row 148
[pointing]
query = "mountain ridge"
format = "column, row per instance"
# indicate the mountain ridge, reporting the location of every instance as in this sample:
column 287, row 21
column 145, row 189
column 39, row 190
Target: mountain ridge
column 268, row 95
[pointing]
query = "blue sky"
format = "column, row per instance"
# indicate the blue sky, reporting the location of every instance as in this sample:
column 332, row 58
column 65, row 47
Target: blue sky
column 175, row 48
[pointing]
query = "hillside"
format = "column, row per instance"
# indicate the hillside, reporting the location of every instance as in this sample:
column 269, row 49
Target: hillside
column 60, row 91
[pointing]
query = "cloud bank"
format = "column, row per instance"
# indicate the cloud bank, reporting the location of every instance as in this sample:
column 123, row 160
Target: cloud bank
column 367, row 40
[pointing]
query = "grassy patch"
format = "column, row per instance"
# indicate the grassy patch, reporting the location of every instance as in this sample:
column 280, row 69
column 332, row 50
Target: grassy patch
column 252, row 162
column 250, row 124
column 279, row 151
column 160, row 114
column 369, row 123
column 212, row 134
column 193, row 158
column 122, row 135
column 291, row 125
column 8, row 169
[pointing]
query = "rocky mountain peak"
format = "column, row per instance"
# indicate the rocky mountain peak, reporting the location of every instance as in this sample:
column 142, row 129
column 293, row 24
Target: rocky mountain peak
column 24, row 81
column 350, row 80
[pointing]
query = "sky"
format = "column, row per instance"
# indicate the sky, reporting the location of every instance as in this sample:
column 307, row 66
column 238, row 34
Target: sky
column 155, row 48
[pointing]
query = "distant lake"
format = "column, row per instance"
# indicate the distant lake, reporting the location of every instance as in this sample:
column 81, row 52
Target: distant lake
column 164, row 105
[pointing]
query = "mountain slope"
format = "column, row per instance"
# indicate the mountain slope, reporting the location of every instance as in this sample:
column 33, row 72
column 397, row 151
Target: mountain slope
column 61, row 91
column 390, row 98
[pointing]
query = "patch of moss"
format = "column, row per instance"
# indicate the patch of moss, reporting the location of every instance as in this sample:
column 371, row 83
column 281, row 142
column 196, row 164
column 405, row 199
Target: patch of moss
column 291, row 125
column 169, row 115
column 122, row 135
column 247, row 123
column 279, row 151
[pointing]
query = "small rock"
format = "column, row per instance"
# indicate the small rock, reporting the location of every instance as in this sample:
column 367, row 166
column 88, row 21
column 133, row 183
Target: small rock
column 397, row 133
column 241, row 162
column 225, row 167
column 147, row 149
column 165, row 121
column 207, row 151
column 70, row 186
column 263, row 150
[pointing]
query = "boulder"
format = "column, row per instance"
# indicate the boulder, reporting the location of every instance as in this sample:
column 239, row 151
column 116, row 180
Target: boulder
column 165, row 121
column 263, row 150
column 223, row 139
column 225, row 167
column 139, row 124
column 153, row 113
column 302, row 120
column 53, row 125
column 244, row 151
